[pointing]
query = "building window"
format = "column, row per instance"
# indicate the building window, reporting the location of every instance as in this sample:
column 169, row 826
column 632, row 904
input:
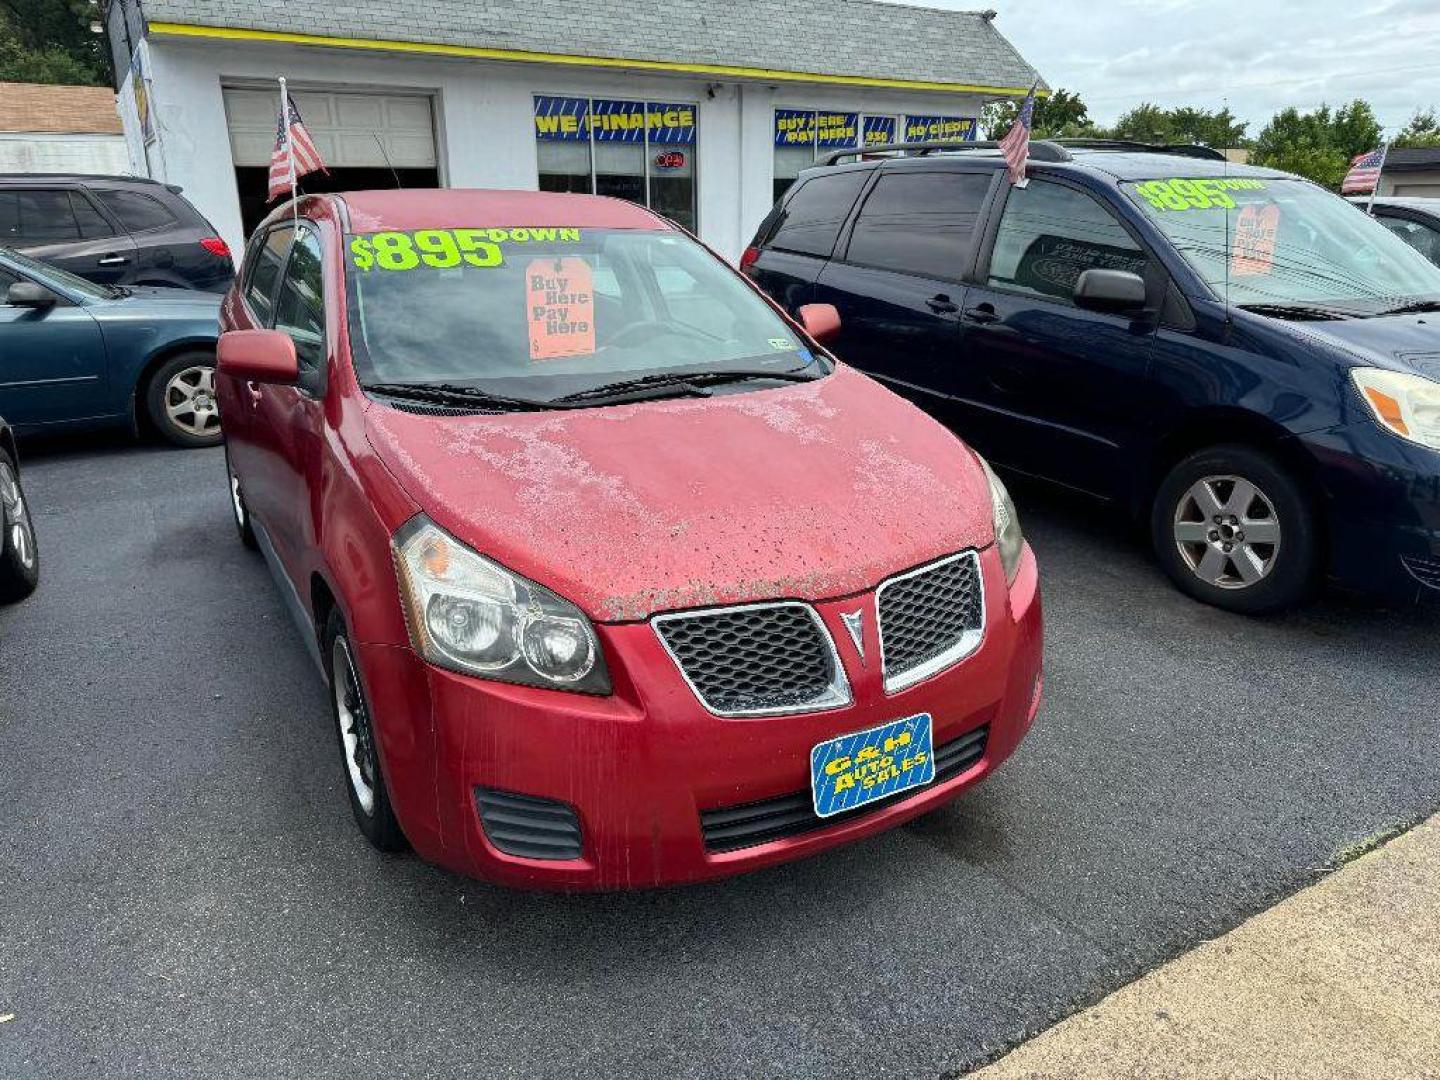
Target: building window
column 641, row 151
column 804, row 136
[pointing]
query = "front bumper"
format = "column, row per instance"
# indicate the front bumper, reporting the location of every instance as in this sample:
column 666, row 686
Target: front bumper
column 641, row 765
column 1382, row 510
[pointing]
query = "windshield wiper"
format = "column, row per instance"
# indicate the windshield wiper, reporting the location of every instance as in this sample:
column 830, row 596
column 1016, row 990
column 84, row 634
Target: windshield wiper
column 693, row 383
column 1413, row 308
column 455, row 396
column 1300, row 312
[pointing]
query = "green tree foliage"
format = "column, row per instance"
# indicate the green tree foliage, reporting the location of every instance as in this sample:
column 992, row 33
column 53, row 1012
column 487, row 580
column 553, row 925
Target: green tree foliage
column 1062, row 113
column 50, row 41
column 1318, row 145
column 1422, row 130
column 1152, row 124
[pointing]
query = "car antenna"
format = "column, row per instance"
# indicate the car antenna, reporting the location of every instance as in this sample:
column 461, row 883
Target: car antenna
column 380, row 143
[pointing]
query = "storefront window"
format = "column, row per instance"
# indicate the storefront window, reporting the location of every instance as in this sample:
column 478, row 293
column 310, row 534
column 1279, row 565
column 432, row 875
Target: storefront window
column 640, row 151
column 804, row 136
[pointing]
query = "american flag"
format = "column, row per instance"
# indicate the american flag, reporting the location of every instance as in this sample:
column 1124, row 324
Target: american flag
column 1016, row 143
column 294, row 154
column 1364, row 173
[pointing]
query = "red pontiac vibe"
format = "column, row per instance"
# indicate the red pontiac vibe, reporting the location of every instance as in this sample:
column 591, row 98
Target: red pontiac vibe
column 617, row 577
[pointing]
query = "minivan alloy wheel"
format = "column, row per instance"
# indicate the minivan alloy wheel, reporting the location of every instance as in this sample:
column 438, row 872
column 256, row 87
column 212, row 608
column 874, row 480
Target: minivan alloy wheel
column 190, row 400
column 1227, row 532
column 355, row 731
column 20, row 535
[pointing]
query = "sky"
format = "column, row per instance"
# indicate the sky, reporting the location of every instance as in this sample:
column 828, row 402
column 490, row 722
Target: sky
column 1258, row 57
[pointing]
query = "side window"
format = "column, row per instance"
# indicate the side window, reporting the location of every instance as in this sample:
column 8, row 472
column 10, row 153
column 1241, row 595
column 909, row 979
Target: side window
column 919, row 222
column 92, row 223
column 300, row 307
column 1049, row 235
column 137, row 212
column 815, row 213
column 264, row 270
column 6, row 280
column 1422, row 238
column 37, row 216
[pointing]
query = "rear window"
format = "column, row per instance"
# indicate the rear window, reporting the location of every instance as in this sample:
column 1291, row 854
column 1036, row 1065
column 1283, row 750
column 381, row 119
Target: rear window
column 919, row 222
column 812, row 219
column 137, row 212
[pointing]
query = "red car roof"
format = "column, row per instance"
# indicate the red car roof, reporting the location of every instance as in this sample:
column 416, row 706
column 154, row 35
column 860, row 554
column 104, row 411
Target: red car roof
column 452, row 208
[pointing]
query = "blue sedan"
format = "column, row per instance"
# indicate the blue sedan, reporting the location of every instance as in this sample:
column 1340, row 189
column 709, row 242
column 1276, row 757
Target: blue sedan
column 74, row 354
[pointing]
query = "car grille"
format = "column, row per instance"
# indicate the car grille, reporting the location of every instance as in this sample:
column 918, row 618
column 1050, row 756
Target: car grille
column 930, row 618
column 733, row 827
column 529, row 827
column 1425, row 571
column 756, row 660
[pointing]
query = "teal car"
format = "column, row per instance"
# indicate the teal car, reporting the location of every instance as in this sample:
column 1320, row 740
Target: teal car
column 75, row 355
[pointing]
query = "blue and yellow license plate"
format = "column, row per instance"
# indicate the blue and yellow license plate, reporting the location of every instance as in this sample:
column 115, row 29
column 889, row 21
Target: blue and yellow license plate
column 867, row 766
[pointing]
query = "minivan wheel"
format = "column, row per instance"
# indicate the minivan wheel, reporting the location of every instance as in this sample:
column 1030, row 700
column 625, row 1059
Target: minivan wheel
column 19, row 558
column 359, row 755
column 238, row 510
column 1232, row 528
column 180, row 400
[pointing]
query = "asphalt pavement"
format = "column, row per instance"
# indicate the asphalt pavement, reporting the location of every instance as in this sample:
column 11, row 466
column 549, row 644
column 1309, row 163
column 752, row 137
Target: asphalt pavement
column 182, row 891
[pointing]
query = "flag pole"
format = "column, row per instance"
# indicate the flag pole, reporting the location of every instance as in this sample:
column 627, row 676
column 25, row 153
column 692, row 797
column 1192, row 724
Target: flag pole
column 289, row 149
column 1384, row 153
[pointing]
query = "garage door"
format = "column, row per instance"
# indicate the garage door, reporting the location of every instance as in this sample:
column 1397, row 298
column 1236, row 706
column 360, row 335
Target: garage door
column 349, row 129
column 1429, row 191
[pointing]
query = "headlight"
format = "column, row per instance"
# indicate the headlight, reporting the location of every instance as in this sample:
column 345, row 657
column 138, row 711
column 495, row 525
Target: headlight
column 1409, row 405
column 471, row 615
column 1008, row 536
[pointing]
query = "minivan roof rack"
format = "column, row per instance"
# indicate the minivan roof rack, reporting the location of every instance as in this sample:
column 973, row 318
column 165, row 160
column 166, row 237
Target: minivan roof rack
column 1128, row 146
column 1040, row 149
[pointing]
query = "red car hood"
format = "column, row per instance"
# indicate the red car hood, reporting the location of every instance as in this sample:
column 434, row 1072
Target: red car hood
column 808, row 491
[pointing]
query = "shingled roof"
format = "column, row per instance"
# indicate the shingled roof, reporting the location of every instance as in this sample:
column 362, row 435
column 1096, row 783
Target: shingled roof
column 62, row 110
column 859, row 39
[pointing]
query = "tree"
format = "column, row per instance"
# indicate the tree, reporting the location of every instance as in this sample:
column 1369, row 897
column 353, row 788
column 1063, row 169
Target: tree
column 1318, row 145
column 1150, row 123
column 1422, row 130
column 51, row 41
column 1062, row 113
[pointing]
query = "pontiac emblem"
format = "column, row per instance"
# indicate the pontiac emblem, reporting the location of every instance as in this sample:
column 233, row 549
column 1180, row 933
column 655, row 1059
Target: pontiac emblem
column 855, row 623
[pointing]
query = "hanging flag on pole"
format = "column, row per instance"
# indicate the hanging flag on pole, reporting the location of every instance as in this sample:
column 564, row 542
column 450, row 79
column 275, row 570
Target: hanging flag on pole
column 294, row 154
column 1016, row 143
column 1364, row 174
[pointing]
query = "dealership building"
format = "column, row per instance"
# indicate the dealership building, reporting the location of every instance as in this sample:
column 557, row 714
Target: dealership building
column 702, row 111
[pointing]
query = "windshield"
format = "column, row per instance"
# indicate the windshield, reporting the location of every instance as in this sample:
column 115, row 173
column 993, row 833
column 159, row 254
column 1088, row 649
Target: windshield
column 540, row 313
column 1286, row 242
column 61, row 279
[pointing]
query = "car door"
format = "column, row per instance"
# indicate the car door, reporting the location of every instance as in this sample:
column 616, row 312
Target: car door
column 292, row 416
column 796, row 242
column 899, row 281
column 52, row 361
column 63, row 227
column 1048, row 387
column 163, row 254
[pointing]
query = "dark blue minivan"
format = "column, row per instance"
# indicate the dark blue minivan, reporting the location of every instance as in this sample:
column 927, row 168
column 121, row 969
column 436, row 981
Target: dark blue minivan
column 1241, row 359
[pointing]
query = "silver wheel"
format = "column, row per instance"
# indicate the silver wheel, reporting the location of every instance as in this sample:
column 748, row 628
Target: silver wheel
column 1227, row 531
column 190, row 403
column 19, row 533
column 355, row 733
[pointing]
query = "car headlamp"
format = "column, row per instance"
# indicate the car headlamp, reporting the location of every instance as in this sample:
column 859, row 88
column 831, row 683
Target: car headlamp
column 471, row 615
column 1009, row 539
column 1409, row 405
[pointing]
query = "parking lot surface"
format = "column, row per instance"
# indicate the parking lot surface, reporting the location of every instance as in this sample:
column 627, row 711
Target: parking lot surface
column 182, row 891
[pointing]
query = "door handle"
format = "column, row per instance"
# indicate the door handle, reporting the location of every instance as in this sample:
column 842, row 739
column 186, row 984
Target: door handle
column 982, row 313
column 111, row 260
column 942, row 305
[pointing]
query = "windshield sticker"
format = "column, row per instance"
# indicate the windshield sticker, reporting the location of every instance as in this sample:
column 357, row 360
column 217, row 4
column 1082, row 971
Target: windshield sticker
column 442, row 249
column 560, row 302
column 1195, row 194
column 1253, row 249
column 783, row 344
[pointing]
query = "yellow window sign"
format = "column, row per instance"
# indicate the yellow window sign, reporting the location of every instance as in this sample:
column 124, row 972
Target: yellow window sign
column 442, row 249
column 1195, row 194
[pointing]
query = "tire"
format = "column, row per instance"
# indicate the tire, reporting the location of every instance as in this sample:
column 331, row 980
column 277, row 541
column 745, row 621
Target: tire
column 180, row 400
column 359, row 756
column 239, row 513
column 1244, row 498
column 19, row 556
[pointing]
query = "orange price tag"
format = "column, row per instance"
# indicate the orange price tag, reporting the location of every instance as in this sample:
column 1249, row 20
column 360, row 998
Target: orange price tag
column 1253, row 249
column 560, row 306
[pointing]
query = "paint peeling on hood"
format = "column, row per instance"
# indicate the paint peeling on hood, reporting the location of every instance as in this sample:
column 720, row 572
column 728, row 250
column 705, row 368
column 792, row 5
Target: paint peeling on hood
column 809, row 491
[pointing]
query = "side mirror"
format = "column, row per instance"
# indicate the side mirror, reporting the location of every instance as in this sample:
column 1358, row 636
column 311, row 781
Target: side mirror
column 821, row 321
column 1117, row 291
column 29, row 294
column 259, row 356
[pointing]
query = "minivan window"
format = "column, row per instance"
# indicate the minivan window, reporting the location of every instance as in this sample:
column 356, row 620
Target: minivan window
column 813, row 216
column 919, row 222
column 1275, row 241
column 263, row 272
column 137, row 212
column 520, row 311
column 1050, row 234
column 300, row 308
